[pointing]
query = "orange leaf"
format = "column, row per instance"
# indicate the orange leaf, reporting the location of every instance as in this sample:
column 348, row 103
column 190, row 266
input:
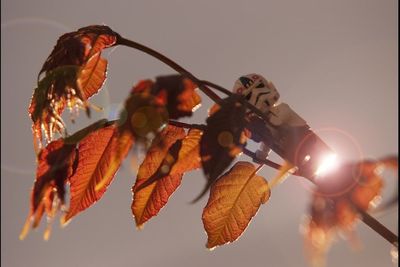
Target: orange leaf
column 337, row 201
column 92, row 75
column 97, row 162
column 369, row 186
column 189, row 154
column 148, row 201
column 234, row 200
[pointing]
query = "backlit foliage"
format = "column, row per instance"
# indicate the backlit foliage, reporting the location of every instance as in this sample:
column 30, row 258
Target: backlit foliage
column 88, row 160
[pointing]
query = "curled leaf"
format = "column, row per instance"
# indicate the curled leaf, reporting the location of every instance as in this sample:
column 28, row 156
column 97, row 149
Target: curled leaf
column 56, row 163
column 73, row 72
column 234, row 200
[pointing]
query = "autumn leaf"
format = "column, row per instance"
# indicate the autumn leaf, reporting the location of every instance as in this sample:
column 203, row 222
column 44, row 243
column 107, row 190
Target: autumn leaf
column 223, row 138
column 143, row 115
column 83, row 48
column 189, row 154
column 148, row 201
column 79, row 135
column 74, row 71
column 234, row 200
column 178, row 94
column 56, row 163
column 46, row 113
column 97, row 162
column 338, row 200
column 185, row 157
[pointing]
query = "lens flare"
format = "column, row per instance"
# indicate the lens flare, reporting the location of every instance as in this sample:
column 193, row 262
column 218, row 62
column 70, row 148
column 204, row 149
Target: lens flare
column 328, row 163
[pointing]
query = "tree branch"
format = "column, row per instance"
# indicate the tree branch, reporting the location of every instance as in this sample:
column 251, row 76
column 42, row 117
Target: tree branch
column 379, row 228
column 367, row 219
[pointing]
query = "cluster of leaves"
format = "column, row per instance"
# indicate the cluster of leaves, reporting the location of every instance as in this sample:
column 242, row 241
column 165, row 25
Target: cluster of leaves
column 88, row 160
column 338, row 201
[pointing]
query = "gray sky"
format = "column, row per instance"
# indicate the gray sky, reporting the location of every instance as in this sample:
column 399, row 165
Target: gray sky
column 334, row 62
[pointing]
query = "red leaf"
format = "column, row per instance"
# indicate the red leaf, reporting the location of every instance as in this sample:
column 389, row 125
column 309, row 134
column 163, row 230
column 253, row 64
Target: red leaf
column 179, row 95
column 56, row 163
column 98, row 161
column 74, row 71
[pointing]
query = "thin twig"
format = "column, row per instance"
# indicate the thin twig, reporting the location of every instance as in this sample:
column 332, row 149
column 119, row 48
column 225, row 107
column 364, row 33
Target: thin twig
column 171, row 63
column 187, row 125
column 267, row 162
column 379, row 228
column 217, row 87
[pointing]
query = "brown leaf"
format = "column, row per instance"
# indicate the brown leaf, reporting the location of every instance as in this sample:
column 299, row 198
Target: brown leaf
column 148, row 201
column 234, row 200
column 74, row 71
column 97, row 162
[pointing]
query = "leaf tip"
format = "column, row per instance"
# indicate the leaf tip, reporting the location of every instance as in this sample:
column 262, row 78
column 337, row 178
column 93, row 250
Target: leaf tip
column 25, row 229
column 210, row 247
column 65, row 220
column 46, row 234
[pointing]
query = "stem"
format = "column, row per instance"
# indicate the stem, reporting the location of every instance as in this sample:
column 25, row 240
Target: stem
column 217, row 87
column 367, row 219
column 379, row 228
column 267, row 162
column 171, row 63
column 202, row 84
column 249, row 105
column 186, row 125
